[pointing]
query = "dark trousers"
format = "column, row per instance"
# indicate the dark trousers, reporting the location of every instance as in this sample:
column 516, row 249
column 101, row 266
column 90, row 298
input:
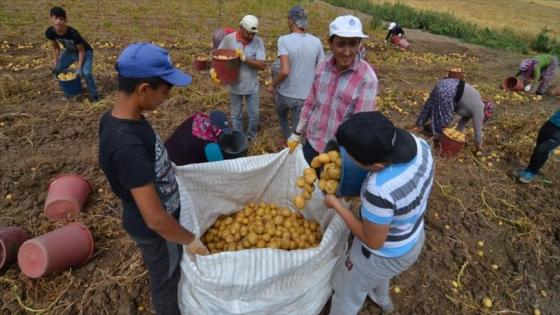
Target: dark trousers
column 162, row 260
column 547, row 140
column 308, row 152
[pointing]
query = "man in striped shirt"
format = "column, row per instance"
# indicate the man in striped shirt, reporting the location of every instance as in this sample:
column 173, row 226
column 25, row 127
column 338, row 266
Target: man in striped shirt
column 343, row 84
column 389, row 236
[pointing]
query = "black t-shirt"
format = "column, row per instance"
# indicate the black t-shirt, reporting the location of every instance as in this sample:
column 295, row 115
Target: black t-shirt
column 395, row 31
column 132, row 155
column 185, row 148
column 69, row 39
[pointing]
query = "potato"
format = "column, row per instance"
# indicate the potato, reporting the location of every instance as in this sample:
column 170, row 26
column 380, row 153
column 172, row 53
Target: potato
column 220, row 245
column 260, row 211
column 312, row 238
column 259, row 229
column 322, row 183
column 288, row 224
column 245, row 242
column 334, row 172
column 231, row 247
column 228, row 220
column 324, row 158
column 315, row 163
column 278, row 220
column 278, row 232
column 331, row 186
column 301, row 244
column 310, row 179
column 299, row 202
column 285, row 212
column 300, row 182
column 309, row 187
column 253, row 238
column 306, row 195
column 266, row 237
column 333, row 154
column 261, row 244
column 273, row 244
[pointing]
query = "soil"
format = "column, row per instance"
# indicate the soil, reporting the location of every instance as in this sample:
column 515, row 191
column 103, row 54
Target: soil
column 42, row 136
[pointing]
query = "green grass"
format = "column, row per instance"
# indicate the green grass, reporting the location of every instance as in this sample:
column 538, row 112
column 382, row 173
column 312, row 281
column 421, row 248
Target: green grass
column 438, row 23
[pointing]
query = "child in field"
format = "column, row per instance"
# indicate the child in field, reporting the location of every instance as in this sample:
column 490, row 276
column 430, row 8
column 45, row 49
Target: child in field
column 138, row 169
column 75, row 49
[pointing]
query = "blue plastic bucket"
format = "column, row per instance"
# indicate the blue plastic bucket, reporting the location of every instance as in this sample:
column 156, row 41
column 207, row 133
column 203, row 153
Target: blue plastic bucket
column 71, row 87
column 352, row 176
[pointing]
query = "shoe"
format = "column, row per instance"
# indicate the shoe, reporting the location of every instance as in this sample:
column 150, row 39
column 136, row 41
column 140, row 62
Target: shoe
column 525, row 176
column 95, row 99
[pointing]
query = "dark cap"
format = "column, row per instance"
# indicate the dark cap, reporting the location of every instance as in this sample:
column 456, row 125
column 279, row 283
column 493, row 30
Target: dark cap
column 370, row 137
column 299, row 16
column 219, row 119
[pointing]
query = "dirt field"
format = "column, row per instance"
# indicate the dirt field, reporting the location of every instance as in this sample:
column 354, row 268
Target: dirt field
column 473, row 199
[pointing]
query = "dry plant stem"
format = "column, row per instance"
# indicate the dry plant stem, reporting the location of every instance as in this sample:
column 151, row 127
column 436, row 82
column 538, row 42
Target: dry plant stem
column 15, row 289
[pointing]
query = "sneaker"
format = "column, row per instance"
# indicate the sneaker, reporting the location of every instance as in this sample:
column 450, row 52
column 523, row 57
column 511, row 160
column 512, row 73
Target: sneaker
column 525, row 176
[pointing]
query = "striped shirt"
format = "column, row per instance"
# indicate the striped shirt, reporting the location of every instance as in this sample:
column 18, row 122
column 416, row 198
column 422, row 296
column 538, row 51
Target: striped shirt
column 398, row 196
column 334, row 96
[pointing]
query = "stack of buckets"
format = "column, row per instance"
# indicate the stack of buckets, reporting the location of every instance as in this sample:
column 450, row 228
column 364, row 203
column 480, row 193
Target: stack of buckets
column 68, row 246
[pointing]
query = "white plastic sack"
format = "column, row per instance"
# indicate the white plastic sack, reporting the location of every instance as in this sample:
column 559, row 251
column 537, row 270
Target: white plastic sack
column 255, row 281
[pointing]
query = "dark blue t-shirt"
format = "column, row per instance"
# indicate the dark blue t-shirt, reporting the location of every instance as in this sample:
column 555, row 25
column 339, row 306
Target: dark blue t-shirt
column 68, row 40
column 132, row 155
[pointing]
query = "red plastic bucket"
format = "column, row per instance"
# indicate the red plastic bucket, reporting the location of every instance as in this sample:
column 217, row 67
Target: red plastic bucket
column 399, row 41
column 68, row 246
column 226, row 64
column 67, row 194
column 11, row 239
column 200, row 62
column 449, row 147
column 512, row 84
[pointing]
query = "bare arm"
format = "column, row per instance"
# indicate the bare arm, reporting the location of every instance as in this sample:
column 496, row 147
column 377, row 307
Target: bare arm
column 81, row 55
column 56, row 52
column 256, row 64
column 156, row 218
column 284, row 71
column 371, row 234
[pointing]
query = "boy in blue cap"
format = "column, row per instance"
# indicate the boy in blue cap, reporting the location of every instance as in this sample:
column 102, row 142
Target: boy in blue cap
column 138, row 169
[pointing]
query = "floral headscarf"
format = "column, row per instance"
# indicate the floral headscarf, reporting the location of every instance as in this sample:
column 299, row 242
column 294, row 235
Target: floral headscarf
column 204, row 129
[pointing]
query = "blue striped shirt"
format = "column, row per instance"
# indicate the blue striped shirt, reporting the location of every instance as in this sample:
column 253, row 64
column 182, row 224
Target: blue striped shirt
column 398, row 196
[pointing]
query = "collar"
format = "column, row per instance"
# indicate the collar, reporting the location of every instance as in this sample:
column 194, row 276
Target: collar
column 240, row 39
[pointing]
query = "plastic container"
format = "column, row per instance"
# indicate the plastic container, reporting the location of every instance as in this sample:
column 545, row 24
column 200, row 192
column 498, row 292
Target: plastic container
column 352, row 176
column 67, row 194
column 399, row 41
column 200, row 62
column 70, row 245
column 449, row 147
column 233, row 145
column 459, row 75
column 70, row 87
column 11, row 238
column 227, row 69
column 512, row 84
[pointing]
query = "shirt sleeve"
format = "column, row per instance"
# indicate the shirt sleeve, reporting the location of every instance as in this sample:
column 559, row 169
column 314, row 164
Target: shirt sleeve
column 321, row 52
column 49, row 34
column 537, row 73
column 77, row 38
column 377, row 207
column 282, row 50
column 366, row 97
column 134, row 166
column 261, row 53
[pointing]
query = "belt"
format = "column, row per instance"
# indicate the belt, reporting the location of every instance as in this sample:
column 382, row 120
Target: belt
column 366, row 252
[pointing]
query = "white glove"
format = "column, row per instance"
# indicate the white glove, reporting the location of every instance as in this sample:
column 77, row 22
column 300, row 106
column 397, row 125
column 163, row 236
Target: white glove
column 241, row 54
column 527, row 88
column 196, row 248
column 294, row 140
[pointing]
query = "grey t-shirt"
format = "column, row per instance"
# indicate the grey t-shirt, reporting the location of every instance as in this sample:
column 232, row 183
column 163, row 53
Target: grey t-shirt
column 471, row 106
column 304, row 52
column 248, row 82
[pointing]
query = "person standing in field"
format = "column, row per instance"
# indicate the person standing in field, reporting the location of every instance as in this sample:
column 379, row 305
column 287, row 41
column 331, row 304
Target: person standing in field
column 298, row 52
column 343, row 84
column 219, row 35
column 138, row 169
column 252, row 54
column 539, row 68
column 388, row 236
column 547, row 141
column 75, row 49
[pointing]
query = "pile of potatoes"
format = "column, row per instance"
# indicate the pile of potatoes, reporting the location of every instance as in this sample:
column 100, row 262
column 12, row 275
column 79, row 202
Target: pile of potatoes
column 328, row 179
column 454, row 134
column 66, row 76
column 262, row 226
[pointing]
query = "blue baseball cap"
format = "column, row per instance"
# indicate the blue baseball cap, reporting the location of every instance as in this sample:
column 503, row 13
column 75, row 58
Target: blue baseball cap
column 144, row 60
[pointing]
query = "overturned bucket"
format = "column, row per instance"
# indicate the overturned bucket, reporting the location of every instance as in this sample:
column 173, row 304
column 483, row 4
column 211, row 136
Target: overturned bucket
column 233, row 145
column 352, row 175
column 67, row 194
column 512, row 84
column 68, row 246
column 11, row 238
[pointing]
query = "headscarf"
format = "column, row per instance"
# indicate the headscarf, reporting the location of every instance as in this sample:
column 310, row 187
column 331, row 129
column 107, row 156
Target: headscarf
column 204, row 129
column 488, row 109
column 527, row 65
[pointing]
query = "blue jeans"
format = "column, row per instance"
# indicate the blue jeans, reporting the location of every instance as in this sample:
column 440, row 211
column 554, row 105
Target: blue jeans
column 69, row 57
column 236, row 101
column 283, row 105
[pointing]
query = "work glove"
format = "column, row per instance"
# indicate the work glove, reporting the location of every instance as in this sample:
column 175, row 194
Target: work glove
column 293, row 141
column 240, row 54
column 196, row 248
column 527, row 88
column 214, row 76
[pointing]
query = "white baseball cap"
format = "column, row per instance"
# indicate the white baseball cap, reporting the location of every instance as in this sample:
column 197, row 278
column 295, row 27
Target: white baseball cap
column 392, row 25
column 346, row 26
column 250, row 23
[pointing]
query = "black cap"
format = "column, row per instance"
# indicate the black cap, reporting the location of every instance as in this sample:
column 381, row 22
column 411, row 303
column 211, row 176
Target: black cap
column 370, row 137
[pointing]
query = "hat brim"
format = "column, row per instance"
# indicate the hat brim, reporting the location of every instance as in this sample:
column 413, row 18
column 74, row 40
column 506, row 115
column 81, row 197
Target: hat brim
column 177, row 77
column 405, row 147
column 350, row 34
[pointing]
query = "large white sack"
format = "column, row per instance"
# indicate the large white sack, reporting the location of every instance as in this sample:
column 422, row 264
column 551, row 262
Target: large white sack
column 255, row 281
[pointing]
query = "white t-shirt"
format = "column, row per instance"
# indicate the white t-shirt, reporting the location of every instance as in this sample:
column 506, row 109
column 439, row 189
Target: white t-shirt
column 248, row 82
column 304, row 52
